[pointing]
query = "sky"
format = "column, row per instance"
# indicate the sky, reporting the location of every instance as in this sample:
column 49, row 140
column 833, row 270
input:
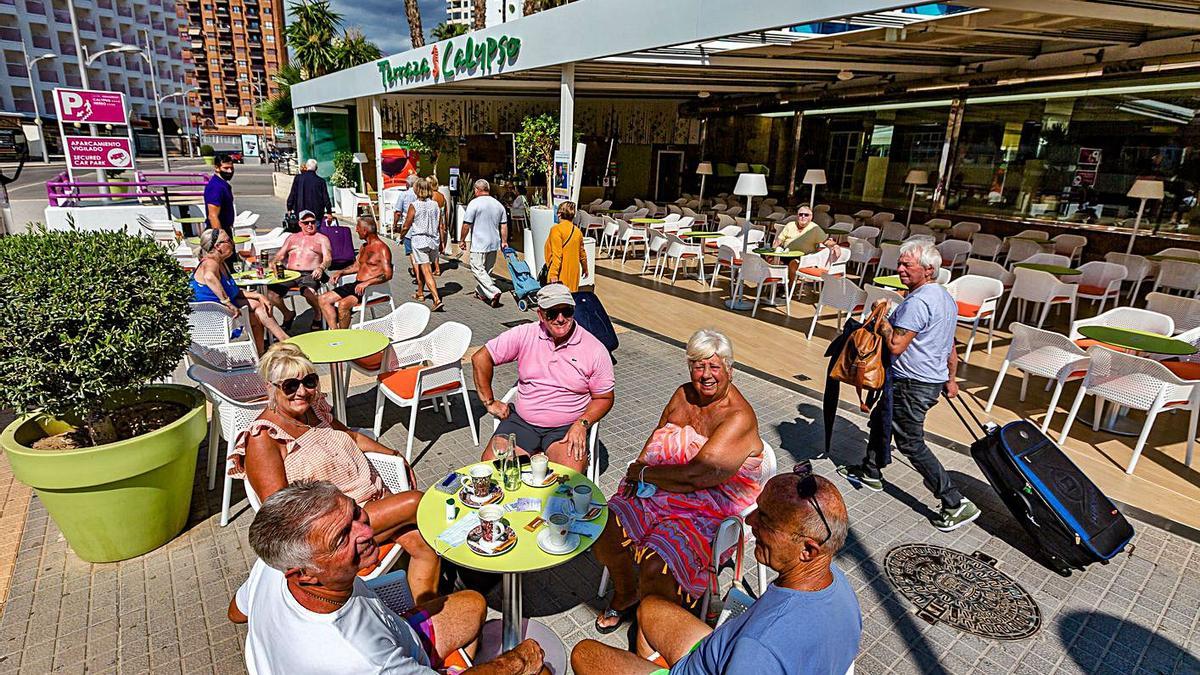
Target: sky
column 382, row 21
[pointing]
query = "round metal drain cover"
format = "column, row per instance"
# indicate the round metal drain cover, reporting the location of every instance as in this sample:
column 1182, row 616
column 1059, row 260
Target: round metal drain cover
column 963, row 591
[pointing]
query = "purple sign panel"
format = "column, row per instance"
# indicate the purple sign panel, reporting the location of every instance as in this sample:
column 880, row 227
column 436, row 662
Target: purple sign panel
column 90, row 106
column 92, row 152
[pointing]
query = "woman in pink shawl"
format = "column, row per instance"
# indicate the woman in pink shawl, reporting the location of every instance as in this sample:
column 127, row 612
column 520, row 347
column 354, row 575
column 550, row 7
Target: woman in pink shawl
column 699, row 466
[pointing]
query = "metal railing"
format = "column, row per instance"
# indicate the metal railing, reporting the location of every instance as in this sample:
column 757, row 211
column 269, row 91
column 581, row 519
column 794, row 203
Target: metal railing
column 147, row 188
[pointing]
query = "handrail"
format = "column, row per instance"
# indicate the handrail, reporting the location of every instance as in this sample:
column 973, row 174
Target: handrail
column 62, row 191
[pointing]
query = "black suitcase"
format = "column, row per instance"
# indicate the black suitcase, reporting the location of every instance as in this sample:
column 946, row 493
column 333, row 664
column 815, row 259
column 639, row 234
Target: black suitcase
column 589, row 313
column 1070, row 520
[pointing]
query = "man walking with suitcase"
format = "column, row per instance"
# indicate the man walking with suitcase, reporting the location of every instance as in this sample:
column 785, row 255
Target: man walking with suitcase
column 920, row 338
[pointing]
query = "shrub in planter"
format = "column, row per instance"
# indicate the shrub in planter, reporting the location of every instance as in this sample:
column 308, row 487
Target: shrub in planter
column 344, row 171
column 208, row 153
column 88, row 319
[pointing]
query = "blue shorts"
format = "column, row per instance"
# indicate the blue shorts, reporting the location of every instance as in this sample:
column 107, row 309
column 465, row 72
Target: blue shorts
column 408, row 246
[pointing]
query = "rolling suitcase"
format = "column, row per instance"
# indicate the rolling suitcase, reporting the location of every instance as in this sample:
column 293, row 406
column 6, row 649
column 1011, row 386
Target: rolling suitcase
column 1070, row 520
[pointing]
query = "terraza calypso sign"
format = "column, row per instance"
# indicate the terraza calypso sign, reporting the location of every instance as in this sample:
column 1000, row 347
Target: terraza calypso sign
column 470, row 58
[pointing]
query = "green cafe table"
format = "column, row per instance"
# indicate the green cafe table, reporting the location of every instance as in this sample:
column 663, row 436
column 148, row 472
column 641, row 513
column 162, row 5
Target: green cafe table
column 647, row 221
column 784, row 254
column 1180, row 258
column 1056, row 270
column 335, row 347
column 525, row 556
column 193, row 221
column 195, row 241
column 700, row 234
column 892, row 281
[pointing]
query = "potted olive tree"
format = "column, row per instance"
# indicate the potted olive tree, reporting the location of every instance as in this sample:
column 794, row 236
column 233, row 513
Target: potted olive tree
column 208, row 153
column 345, row 181
column 88, row 321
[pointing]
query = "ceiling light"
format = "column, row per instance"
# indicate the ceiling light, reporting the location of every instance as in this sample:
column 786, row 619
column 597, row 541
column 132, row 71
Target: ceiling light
column 703, row 94
column 938, row 87
column 844, row 75
column 1159, row 67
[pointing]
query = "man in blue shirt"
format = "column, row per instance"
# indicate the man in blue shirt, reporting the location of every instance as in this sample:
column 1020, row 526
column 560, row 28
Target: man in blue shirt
column 920, row 337
column 808, row 621
column 218, row 195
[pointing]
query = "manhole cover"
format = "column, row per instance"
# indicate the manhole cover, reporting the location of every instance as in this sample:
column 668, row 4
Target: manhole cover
column 962, row 590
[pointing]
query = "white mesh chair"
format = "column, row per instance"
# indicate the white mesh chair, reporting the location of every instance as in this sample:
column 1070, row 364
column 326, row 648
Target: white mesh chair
column 843, row 218
column 986, row 246
column 937, row 222
column 374, row 296
column 863, row 214
column 1034, row 234
column 1181, row 253
column 593, row 465
column 1070, row 245
column 1185, row 312
column 630, row 235
column 1048, row 259
column 921, row 230
column 679, row 251
column 1039, row 288
column 977, row 298
column 1137, row 269
column 1045, row 354
column 875, row 293
column 729, row 255
column 882, row 218
column 237, row 399
column 1101, row 282
column 733, row 211
column 954, row 254
column 1178, row 275
column 227, row 357
column 1123, row 317
column 943, row 276
column 841, row 294
column 1020, row 250
column 1134, row 382
column 868, row 232
column 755, row 270
column 863, row 254
column 965, row 230
column 812, row 268
column 212, row 326
column 608, row 236
column 889, row 259
column 406, row 323
column 891, row 230
column 674, row 215
column 425, row 369
column 987, row 268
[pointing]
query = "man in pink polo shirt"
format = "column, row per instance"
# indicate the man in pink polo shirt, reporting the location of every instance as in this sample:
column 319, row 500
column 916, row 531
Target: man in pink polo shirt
column 564, row 381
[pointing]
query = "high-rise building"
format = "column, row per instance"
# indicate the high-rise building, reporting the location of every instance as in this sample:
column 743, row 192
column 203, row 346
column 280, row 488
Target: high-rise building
column 498, row 11
column 44, row 27
column 237, row 47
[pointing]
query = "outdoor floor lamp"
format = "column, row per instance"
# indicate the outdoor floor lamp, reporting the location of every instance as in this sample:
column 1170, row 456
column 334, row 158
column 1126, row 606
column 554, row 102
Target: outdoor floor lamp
column 813, row 177
column 1143, row 190
column 914, row 178
column 704, row 170
column 749, row 185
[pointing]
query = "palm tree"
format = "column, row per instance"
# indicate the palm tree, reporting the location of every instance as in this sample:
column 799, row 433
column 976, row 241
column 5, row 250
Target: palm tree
column 479, row 14
column 415, row 33
column 310, row 33
column 353, row 48
column 447, row 30
column 531, row 6
column 277, row 110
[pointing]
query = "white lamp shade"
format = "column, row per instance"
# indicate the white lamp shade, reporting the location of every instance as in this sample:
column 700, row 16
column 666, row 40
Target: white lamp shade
column 751, row 184
column 1146, row 189
column 814, row 177
column 360, row 158
column 916, row 177
column 741, row 167
column 704, row 168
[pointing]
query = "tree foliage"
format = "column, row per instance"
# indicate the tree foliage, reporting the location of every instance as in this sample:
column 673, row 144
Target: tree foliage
column 353, row 49
column 345, row 172
column 431, row 141
column 447, row 30
column 84, row 315
column 277, row 110
column 536, row 142
column 311, row 31
column 412, row 13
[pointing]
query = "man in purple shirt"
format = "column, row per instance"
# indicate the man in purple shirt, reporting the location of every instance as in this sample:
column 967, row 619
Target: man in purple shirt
column 218, row 199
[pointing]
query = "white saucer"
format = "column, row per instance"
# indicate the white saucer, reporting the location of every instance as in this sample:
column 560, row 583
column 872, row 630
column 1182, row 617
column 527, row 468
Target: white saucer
column 527, row 478
column 543, row 542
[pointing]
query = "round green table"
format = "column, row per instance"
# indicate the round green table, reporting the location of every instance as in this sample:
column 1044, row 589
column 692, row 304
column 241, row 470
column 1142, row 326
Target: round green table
column 1040, row 241
column 938, row 227
column 250, row 279
column 1056, row 270
column 892, row 281
column 525, row 556
column 699, row 234
column 1180, row 258
column 780, row 254
column 335, row 347
column 237, row 239
column 647, row 221
column 1138, row 340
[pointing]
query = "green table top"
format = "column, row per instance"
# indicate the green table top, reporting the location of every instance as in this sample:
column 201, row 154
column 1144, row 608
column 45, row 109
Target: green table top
column 248, row 278
column 1040, row 241
column 611, row 211
column 1140, row 340
column 1056, row 270
column 237, row 239
column 526, row 555
column 890, row 241
column 780, row 254
column 696, row 234
column 892, row 281
column 189, row 220
column 335, row 346
column 938, row 226
column 1160, row 258
column 647, row 221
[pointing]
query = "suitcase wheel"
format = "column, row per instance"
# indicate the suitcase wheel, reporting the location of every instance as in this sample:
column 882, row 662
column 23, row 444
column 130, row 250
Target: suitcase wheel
column 522, row 305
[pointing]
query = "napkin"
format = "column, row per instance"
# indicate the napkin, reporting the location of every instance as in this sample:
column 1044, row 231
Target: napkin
column 456, row 534
column 581, row 527
column 533, row 504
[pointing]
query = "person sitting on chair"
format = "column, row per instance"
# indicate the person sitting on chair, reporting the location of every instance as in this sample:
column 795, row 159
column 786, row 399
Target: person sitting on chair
column 308, row 252
column 808, row 620
column 803, row 235
column 373, row 266
column 564, row 382
column 702, row 464
column 309, row 612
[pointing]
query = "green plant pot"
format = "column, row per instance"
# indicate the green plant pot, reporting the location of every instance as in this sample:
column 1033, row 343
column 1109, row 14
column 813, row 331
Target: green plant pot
column 119, row 500
column 209, row 159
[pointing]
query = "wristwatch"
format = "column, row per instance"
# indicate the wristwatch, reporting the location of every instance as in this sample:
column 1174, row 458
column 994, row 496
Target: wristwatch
column 586, row 424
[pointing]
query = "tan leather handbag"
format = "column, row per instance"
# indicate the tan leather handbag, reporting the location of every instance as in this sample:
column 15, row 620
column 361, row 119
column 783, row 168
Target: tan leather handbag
column 861, row 361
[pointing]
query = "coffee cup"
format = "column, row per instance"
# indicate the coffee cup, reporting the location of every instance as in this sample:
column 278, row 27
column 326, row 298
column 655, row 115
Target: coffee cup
column 479, row 479
column 559, row 526
column 539, row 465
column 581, row 498
column 489, row 518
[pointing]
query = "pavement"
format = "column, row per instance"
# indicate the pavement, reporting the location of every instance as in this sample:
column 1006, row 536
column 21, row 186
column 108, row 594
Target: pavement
column 165, row 611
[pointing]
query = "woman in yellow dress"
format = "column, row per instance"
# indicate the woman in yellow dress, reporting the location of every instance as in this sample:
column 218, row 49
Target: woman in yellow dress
column 564, row 254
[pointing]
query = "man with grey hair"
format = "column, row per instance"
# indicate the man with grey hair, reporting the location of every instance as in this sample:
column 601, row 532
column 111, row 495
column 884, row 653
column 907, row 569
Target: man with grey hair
column 309, row 193
column 920, row 339
column 309, row 612
column 486, row 225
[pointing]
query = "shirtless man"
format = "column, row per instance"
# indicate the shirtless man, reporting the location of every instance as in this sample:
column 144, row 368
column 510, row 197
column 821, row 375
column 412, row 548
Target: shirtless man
column 310, row 253
column 373, row 266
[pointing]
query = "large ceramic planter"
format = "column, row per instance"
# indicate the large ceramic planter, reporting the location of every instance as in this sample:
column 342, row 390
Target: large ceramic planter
column 119, row 500
column 209, row 159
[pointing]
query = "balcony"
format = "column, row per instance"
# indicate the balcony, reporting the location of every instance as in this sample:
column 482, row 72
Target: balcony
column 86, row 25
column 10, row 34
column 43, row 42
column 48, row 76
column 17, row 70
column 34, row 7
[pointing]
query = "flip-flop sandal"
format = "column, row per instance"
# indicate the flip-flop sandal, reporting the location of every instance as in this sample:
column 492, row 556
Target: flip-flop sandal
column 610, row 613
column 420, row 297
column 438, row 307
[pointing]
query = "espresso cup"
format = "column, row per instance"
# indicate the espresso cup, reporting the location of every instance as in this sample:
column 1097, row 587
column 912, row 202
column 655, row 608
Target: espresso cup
column 539, row 465
column 581, row 498
column 489, row 517
column 479, row 479
column 558, row 526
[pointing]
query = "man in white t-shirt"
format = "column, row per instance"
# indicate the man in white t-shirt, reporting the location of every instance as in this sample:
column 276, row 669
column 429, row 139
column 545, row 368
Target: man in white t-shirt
column 486, row 224
column 309, row 612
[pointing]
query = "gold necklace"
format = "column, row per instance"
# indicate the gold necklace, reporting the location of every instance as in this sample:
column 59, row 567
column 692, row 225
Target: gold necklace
column 314, row 596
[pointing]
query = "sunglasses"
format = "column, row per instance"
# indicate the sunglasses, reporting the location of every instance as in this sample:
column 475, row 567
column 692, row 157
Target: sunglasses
column 806, row 488
column 308, row 221
column 555, row 312
column 804, row 215
column 292, row 384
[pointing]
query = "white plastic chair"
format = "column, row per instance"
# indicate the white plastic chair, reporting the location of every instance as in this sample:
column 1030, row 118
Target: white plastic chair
column 868, row 232
column 1040, row 235
column 994, row 270
column 882, row 218
column 1048, row 259
column 1124, row 317
column 1134, row 382
column 977, row 298
column 407, row 322
column 1039, row 288
column 937, row 222
column 921, row 230
column 755, row 270
column 729, row 255
column 864, row 254
column 1045, row 354
column 734, row 211
column 593, row 464
column 608, row 237
column 679, row 251
column 227, row 357
column 889, row 259
column 841, row 294
column 212, row 326
column 1020, row 250
column 1101, row 281
column 656, row 246
column 954, row 254
column 843, row 218
column 1178, row 275
column 812, row 268
column 986, row 246
column 374, row 296
column 1184, row 312
column 629, row 235
column 1070, row 245
column 875, row 293
column 1181, row 253
column 1137, row 269
column 965, row 230
column 863, row 214
column 890, row 230
column 237, row 399
column 427, row 368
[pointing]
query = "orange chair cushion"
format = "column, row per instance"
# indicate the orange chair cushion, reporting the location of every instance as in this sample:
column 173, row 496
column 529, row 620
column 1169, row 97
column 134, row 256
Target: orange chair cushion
column 1184, row 370
column 455, row 662
column 812, row 271
column 403, row 382
column 383, row 552
column 372, row 362
column 1093, row 290
column 966, row 310
column 1060, row 298
column 1084, row 343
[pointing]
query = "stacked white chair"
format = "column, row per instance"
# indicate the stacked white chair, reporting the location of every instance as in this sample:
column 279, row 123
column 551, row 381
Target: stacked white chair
column 1039, row 288
column 977, row 299
column 1045, row 354
column 1101, row 282
column 841, row 294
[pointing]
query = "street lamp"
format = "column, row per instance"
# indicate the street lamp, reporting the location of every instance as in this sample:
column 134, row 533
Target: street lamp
column 144, row 52
column 187, row 113
column 37, row 116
